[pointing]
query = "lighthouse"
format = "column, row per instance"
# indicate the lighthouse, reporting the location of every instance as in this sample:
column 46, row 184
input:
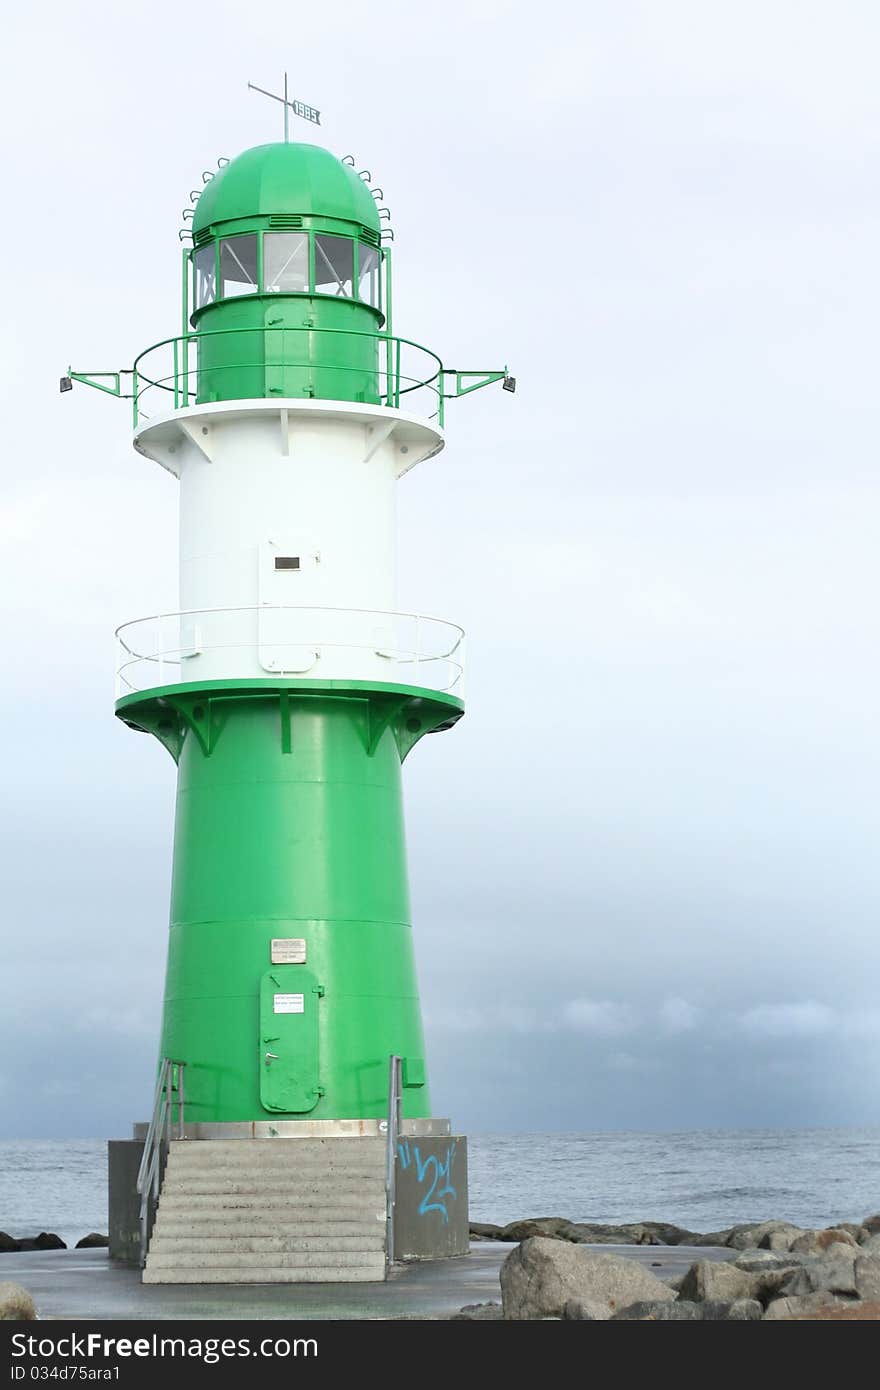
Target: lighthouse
column 289, row 687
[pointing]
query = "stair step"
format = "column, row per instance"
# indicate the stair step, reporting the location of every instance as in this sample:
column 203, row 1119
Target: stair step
column 275, row 1168
column 297, row 1259
column 294, row 1200
column 236, row 1224
column 241, row 1150
column 265, row 1245
column 289, row 1185
column 316, row 1274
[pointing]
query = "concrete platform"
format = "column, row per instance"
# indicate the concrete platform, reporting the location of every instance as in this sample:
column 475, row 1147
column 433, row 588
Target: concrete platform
column 85, row 1284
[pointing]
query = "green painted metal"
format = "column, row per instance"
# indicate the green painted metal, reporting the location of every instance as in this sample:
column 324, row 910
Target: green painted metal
column 292, row 832
column 284, row 179
column 287, row 1056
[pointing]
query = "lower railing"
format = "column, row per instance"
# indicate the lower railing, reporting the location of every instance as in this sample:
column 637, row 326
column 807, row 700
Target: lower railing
column 392, row 1138
column 268, row 639
column 169, row 1088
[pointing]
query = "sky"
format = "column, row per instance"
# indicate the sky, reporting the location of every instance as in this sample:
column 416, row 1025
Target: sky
column 644, row 867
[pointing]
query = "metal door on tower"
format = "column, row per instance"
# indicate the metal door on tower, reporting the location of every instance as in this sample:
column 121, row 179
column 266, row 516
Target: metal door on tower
column 288, row 1058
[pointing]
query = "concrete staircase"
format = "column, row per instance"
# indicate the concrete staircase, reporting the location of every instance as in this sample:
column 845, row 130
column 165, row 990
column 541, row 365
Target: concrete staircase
column 270, row 1211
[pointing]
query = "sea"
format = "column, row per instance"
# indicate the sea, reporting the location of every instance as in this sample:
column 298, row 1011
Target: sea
column 703, row 1180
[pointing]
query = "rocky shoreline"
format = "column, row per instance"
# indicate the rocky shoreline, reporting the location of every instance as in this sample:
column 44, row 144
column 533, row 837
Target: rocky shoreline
column 48, row 1240
column 780, row 1272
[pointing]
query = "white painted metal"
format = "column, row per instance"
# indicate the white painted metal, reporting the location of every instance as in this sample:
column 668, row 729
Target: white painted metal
column 286, row 506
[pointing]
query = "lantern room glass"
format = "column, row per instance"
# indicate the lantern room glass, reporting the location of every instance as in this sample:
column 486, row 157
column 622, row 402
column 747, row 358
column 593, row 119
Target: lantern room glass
column 334, row 265
column 286, row 262
column 238, row 266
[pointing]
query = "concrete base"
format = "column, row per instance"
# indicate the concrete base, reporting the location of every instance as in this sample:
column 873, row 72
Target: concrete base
column 124, row 1204
column 82, row 1284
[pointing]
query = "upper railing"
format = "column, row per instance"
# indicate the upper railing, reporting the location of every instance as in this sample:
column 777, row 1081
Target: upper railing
column 276, row 361
column 322, row 363
column 198, row 646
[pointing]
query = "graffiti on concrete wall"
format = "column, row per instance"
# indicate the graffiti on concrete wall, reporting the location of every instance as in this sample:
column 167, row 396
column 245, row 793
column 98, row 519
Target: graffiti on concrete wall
column 433, row 1173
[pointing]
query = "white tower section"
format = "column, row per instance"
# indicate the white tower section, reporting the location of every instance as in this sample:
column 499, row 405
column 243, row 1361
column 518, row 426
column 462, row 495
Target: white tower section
column 288, row 549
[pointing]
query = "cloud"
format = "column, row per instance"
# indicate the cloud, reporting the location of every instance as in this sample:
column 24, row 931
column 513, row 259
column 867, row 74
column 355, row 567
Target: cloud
column 678, row 1016
column 804, row 1020
column 602, row 1017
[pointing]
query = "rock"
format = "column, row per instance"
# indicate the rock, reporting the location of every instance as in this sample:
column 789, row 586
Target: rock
column 871, row 1224
column 713, row 1237
column 715, row 1281
column 867, row 1276
column 584, row 1310
column 553, row 1227
column 741, row 1310
column 833, row 1272
column 540, row 1276
column 46, row 1240
column 871, row 1247
column 93, row 1241
column 480, row 1230
column 814, row 1242
column 16, row 1304
column 766, row 1261
column 763, row 1235
column 8, row 1244
column 479, row 1312
column 845, row 1312
column 804, row 1305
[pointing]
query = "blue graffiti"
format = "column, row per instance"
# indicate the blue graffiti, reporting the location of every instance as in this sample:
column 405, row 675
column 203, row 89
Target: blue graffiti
column 431, row 1170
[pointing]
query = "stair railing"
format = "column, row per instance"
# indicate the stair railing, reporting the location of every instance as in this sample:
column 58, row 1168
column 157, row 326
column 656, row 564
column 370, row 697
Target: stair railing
column 392, row 1137
column 149, row 1176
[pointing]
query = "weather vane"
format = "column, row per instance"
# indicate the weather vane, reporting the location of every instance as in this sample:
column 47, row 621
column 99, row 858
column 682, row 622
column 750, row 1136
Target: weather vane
column 299, row 108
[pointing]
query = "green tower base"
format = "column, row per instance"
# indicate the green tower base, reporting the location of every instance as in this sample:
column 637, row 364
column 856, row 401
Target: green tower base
column 291, row 976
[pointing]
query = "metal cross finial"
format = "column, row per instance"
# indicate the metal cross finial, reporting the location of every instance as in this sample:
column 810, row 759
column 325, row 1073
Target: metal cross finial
column 299, row 108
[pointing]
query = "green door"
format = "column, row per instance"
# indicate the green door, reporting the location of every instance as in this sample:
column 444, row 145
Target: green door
column 288, row 1059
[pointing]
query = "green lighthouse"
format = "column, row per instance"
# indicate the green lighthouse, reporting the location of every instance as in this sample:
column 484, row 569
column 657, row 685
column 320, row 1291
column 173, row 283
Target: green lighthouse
column 289, row 687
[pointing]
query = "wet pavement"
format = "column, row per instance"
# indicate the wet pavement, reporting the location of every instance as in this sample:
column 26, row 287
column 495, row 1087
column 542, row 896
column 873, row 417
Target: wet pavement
column 84, row 1284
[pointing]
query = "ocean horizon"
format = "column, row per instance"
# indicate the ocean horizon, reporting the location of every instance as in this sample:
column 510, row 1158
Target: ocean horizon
column 704, row 1180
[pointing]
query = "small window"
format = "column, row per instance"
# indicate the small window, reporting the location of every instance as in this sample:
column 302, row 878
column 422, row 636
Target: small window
column 205, row 275
column 368, row 274
column 334, row 265
column 286, row 262
column 287, row 562
column 238, row 266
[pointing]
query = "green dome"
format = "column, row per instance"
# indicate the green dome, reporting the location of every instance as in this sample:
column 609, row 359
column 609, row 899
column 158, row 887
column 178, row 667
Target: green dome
column 286, row 178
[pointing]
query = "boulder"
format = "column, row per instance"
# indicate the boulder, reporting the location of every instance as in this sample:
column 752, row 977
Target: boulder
column 8, row 1244
column 831, row 1273
column 584, row 1310
column 763, row 1235
column 741, row 1310
column 804, row 1305
column 871, row 1224
column 479, row 1312
column 867, row 1276
column 542, row 1275
column 482, row 1230
column 815, row 1242
column 844, row 1312
column 766, row 1261
column 46, row 1240
column 16, row 1304
column 93, row 1241
column 715, row 1281
column 871, row 1246
column 553, row 1227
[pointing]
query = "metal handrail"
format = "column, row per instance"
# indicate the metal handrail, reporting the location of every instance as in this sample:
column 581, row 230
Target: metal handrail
column 392, row 1138
column 158, row 1133
column 415, row 652
column 176, row 382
